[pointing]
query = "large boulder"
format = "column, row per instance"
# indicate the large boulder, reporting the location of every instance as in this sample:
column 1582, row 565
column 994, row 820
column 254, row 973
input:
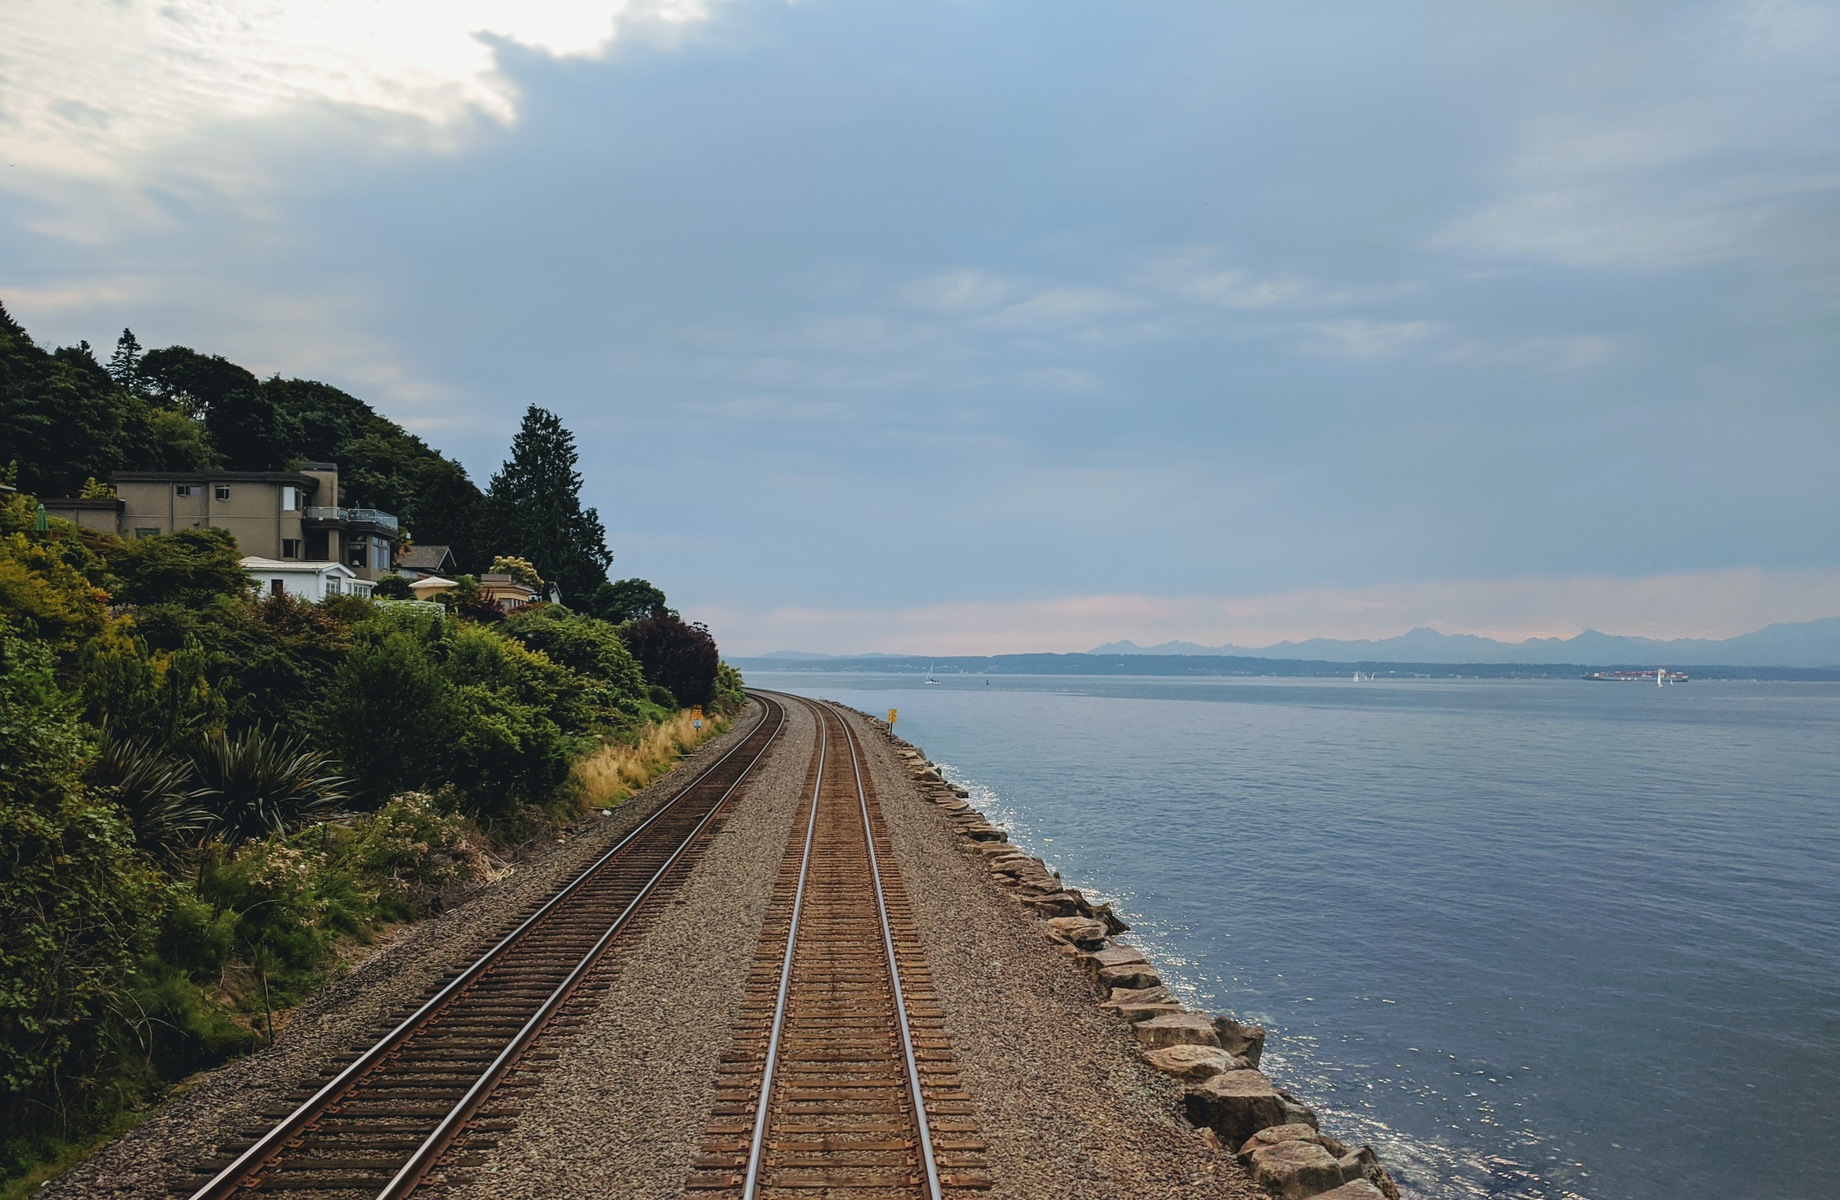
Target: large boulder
column 1271, row 1136
column 1176, row 1029
column 1193, row 1063
column 1136, row 1013
column 1360, row 1189
column 1119, row 955
column 1247, row 1041
column 1055, row 904
column 1144, row 995
column 1133, row 975
column 1083, row 932
column 1235, row 1105
column 1295, row 1169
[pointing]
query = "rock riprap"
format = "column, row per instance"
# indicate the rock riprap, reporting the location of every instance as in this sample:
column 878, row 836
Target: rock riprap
column 1228, row 1098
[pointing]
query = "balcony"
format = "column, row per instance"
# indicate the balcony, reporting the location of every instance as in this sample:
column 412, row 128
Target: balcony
column 353, row 518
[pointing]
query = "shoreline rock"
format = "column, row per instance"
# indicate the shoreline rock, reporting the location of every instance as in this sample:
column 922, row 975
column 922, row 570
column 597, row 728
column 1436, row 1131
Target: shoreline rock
column 1227, row 1099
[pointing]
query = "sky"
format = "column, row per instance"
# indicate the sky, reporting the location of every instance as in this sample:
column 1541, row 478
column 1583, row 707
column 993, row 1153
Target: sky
column 972, row 327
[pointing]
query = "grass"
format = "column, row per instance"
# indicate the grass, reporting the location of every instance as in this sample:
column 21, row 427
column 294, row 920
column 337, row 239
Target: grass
column 613, row 773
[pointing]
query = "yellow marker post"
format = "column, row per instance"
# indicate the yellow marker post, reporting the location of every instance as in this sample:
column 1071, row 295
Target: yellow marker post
column 891, row 716
column 696, row 717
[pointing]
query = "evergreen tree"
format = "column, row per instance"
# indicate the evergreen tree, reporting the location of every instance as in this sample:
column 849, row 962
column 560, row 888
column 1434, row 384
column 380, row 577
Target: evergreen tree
column 536, row 509
column 125, row 363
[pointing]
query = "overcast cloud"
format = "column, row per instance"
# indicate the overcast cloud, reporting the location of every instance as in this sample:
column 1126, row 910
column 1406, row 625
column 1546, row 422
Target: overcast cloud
column 977, row 326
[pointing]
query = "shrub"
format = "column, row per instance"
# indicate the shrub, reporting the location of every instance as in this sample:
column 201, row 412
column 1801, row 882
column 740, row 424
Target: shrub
column 681, row 658
column 415, row 852
column 260, row 783
column 392, row 587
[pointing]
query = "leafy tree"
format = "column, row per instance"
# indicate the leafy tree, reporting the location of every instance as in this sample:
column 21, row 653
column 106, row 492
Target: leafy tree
column 388, row 711
column 392, row 587
column 185, row 381
column 626, row 600
column 536, row 510
column 678, row 657
column 520, row 570
column 187, row 566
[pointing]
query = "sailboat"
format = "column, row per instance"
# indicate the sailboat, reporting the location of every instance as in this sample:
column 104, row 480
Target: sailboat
column 929, row 673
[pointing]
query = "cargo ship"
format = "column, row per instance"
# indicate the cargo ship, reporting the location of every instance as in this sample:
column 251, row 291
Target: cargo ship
column 1661, row 676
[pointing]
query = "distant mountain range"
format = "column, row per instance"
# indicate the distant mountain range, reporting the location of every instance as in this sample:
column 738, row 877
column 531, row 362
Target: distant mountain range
column 1804, row 644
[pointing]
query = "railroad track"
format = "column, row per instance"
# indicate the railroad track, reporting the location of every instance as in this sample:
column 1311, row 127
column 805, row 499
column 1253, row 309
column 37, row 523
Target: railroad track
column 840, row 1080
column 378, row 1126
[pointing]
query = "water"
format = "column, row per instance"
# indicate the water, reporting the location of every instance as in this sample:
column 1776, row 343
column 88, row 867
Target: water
column 1530, row 939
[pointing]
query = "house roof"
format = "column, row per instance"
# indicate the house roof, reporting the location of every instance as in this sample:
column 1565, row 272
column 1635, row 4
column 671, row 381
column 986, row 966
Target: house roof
column 279, row 566
column 298, row 480
column 426, row 558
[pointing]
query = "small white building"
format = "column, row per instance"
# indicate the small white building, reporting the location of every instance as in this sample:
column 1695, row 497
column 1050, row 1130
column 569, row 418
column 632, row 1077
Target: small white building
column 309, row 581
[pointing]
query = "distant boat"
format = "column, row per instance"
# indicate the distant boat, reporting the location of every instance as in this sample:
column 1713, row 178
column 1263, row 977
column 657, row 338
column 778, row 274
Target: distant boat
column 1661, row 675
column 929, row 673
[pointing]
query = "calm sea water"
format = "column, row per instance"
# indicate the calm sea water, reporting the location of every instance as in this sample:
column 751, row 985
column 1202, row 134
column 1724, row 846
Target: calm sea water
column 1530, row 939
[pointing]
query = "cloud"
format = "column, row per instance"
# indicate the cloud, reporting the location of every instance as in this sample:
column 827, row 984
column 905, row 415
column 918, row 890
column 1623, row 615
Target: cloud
column 1195, row 275
column 1061, row 307
column 87, row 86
column 1367, row 340
column 1709, row 604
column 959, row 291
column 1650, row 176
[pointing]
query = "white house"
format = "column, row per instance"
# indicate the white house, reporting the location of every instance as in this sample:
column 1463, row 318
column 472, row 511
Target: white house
column 309, row 581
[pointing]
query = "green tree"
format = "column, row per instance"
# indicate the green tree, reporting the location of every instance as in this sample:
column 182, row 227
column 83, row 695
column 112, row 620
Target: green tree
column 626, row 600
column 187, row 566
column 125, row 364
column 536, row 510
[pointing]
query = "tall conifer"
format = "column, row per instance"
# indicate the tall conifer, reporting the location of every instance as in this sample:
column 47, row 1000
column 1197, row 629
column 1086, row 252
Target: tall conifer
column 537, row 512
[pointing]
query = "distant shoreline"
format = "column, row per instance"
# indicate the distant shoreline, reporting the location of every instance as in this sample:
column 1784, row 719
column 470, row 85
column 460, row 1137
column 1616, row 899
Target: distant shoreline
column 1223, row 666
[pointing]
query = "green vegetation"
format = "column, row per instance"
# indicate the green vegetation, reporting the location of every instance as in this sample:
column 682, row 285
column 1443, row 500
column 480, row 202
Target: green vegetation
column 205, row 793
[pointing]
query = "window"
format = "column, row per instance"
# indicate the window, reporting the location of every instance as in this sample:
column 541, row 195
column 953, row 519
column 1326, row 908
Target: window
column 290, row 547
column 147, row 532
column 332, row 585
column 290, row 499
column 185, row 489
column 356, row 553
column 275, row 588
column 222, row 491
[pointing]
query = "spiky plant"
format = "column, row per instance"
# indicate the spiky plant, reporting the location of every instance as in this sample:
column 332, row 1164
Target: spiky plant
column 260, row 783
column 155, row 790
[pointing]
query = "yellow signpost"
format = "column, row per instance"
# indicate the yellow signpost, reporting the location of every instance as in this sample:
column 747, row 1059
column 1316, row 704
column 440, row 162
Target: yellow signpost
column 891, row 716
column 696, row 717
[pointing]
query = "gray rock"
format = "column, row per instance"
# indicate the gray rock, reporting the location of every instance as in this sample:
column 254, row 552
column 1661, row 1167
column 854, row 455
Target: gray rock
column 1176, row 1029
column 1247, row 1041
column 1280, row 1133
column 1138, row 1013
column 1235, row 1105
column 1144, row 995
column 1135, row 975
column 1360, row 1189
column 1083, row 932
column 1191, row 1063
column 1295, row 1169
column 1054, row 904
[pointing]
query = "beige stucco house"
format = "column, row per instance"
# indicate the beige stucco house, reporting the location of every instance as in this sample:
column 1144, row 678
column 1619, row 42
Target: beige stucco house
column 284, row 516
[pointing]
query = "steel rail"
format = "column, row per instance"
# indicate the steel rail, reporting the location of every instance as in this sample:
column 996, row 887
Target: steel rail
column 266, row 1148
column 894, row 971
column 751, row 1180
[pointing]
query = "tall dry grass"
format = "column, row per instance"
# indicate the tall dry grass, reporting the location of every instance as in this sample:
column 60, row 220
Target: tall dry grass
column 607, row 776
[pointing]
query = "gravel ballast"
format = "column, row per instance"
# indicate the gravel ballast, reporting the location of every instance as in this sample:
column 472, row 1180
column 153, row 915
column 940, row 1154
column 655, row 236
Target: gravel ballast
column 217, row 1106
column 622, row 1111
